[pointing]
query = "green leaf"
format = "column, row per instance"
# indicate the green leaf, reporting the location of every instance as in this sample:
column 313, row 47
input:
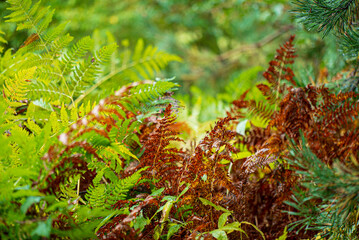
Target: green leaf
column 204, row 177
column 223, row 219
column 183, row 192
column 43, row 229
column 157, row 192
column 157, row 232
column 219, row 234
column 64, row 116
column 219, row 208
column 120, row 148
column 234, row 226
column 140, row 222
column 166, row 211
column 284, row 236
column 173, row 229
column 255, row 227
column 29, row 201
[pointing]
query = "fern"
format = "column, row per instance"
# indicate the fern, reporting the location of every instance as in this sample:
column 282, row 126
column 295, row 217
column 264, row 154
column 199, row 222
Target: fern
column 143, row 96
column 57, row 146
column 30, row 16
column 16, row 89
column 142, row 64
column 78, row 50
column 96, row 196
column 122, row 186
column 2, row 40
column 86, row 73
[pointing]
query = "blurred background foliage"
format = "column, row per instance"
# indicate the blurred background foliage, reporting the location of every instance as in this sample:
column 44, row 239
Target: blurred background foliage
column 225, row 44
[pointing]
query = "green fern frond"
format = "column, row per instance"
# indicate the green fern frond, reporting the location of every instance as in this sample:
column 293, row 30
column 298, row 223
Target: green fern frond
column 55, row 125
column 85, row 108
column 68, row 60
column 142, row 64
column 125, row 133
column 123, row 150
column 59, row 44
column 35, row 60
column 2, row 40
column 64, row 116
column 16, row 89
column 85, row 74
column 146, row 61
column 260, row 109
column 96, row 196
column 33, row 127
column 48, row 74
column 120, row 189
column 68, row 189
column 55, row 32
column 24, row 146
column 49, row 93
column 30, row 16
column 96, row 140
column 115, row 163
column 5, row 116
column 145, row 94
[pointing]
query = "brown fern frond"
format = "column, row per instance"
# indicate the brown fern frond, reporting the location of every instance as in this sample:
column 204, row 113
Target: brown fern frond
column 278, row 72
column 335, row 132
column 237, row 106
column 294, row 114
column 159, row 155
column 268, row 153
column 255, row 137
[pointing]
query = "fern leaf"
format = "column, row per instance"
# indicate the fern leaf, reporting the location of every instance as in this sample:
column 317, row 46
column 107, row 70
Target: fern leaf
column 50, row 92
column 122, row 186
column 143, row 63
column 2, row 40
column 84, row 75
column 55, row 32
column 123, row 150
column 59, row 44
column 78, row 51
column 96, row 196
column 31, row 16
column 145, row 94
column 33, row 127
column 45, row 22
column 28, row 16
column 20, row 10
column 54, row 122
column 261, row 110
column 64, row 116
column 146, row 61
column 47, row 74
column 16, row 89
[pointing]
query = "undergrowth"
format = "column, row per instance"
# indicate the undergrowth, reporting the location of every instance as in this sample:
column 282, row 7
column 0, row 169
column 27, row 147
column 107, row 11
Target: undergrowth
column 75, row 166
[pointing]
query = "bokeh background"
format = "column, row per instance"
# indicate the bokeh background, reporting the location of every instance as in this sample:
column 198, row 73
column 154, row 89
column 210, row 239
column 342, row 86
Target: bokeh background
column 225, row 45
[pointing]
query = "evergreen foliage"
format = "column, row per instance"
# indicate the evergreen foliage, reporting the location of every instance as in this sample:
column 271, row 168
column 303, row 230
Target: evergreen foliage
column 339, row 17
column 328, row 197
